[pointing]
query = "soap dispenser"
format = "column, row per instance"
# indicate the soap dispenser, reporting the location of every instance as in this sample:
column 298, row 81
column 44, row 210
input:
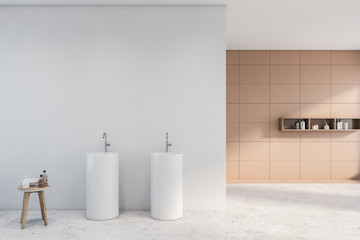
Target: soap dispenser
column 339, row 124
column 302, row 125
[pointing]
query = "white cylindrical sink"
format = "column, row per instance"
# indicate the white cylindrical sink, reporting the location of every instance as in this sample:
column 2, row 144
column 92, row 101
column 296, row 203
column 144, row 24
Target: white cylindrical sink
column 166, row 185
column 102, row 185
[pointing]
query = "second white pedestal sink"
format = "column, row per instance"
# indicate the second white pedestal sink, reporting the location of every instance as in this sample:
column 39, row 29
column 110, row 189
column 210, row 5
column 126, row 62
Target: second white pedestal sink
column 166, row 185
column 102, row 185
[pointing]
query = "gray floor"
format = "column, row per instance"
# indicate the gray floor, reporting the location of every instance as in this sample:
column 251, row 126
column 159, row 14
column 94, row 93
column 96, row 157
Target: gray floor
column 254, row 211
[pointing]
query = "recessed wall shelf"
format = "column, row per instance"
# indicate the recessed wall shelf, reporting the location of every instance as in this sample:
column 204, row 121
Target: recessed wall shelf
column 289, row 124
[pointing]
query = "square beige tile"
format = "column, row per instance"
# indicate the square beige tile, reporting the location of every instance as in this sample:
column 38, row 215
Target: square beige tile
column 254, row 93
column 315, row 170
column 232, row 132
column 284, row 110
column 285, row 151
column 254, row 170
column 285, row 57
column 285, row 170
column 315, row 93
column 345, row 170
column 285, row 93
column 345, row 110
column 254, row 57
column 347, row 93
column 285, row 74
column 232, row 170
column 232, row 57
column 254, row 113
column 309, row 110
column 315, row 151
column 232, row 74
column 232, row 93
column 256, row 132
column 315, row 136
column 254, row 74
column 345, row 151
column 232, row 112
column 254, row 151
column 344, row 74
column 345, row 136
column 232, row 151
column 345, row 57
column 315, row 74
column 315, row 57
column 278, row 136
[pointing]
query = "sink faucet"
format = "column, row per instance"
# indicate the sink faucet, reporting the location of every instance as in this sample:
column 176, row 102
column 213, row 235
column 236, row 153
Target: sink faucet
column 106, row 143
column 167, row 142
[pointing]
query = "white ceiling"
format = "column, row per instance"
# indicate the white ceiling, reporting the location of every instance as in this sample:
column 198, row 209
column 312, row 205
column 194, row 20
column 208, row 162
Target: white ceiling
column 270, row 24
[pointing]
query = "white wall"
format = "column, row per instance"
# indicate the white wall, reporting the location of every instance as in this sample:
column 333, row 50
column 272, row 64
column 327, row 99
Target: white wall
column 69, row 73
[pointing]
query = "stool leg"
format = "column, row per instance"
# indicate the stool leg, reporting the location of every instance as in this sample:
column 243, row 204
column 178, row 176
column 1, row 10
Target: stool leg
column 44, row 208
column 25, row 208
column 41, row 204
column 22, row 209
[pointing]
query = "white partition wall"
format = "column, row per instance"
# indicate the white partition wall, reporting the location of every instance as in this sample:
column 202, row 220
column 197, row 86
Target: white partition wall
column 69, row 73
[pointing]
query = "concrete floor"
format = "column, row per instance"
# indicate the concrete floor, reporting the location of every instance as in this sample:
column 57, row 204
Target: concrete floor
column 254, row 211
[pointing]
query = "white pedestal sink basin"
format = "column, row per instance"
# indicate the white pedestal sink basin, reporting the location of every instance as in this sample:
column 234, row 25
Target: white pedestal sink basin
column 166, row 185
column 102, row 185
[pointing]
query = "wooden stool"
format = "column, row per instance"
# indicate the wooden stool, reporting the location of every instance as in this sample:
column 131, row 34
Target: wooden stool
column 27, row 192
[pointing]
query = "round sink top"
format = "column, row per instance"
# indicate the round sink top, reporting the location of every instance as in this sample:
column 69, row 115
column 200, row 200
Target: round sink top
column 166, row 153
column 102, row 153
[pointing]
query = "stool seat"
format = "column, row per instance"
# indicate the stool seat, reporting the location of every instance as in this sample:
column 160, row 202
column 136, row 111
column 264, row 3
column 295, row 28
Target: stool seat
column 27, row 192
column 34, row 189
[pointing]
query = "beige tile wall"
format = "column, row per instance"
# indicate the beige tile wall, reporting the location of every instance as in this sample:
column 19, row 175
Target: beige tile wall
column 265, row 85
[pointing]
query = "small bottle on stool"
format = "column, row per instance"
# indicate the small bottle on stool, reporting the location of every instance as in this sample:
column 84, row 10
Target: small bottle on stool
column 45, row 178
column 41, row 181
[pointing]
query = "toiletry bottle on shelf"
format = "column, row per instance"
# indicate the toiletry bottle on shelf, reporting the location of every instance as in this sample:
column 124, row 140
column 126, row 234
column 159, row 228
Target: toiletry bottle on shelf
column 45, row 178
column 297, row 125
column 326, row 126
column 346, row 125
column 339, row 124
column 302, row 125
column 41, row 181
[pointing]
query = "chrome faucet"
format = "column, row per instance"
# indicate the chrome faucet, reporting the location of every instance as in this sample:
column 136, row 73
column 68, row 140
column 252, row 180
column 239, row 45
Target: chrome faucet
column 167, row 143
column 106, row 143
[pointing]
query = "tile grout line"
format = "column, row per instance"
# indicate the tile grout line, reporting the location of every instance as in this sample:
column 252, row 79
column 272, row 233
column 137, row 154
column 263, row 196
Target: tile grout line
column 269, row 113
column 300, row 177
column 331, row 177
column 239, row 65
